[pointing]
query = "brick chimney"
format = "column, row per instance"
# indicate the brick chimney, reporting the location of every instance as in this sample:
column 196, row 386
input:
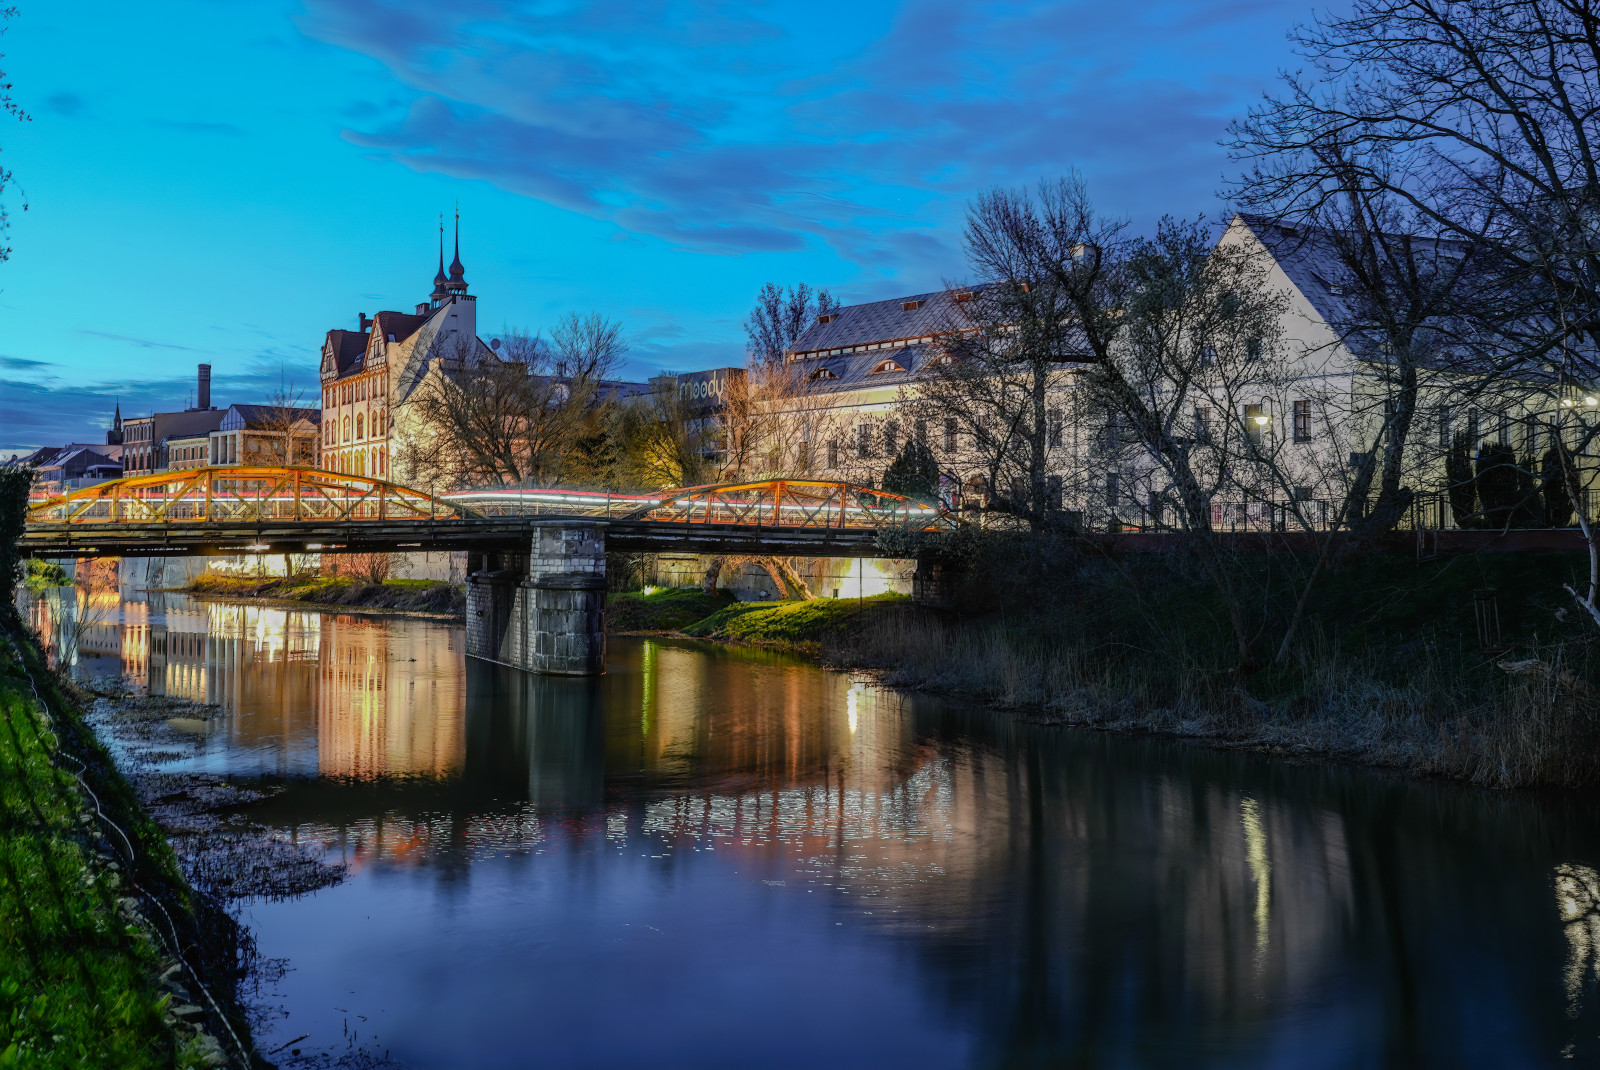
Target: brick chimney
column 203, row 400
column 362, row 323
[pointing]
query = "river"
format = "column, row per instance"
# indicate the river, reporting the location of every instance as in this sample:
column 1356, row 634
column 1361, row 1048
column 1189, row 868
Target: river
column 727, row 858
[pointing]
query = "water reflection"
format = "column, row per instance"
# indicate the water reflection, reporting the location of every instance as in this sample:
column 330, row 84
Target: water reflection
column 854, row 877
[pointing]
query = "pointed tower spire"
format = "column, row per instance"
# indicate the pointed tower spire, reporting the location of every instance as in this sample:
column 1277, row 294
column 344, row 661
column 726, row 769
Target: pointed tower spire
column 441, row 291
column 458, row 277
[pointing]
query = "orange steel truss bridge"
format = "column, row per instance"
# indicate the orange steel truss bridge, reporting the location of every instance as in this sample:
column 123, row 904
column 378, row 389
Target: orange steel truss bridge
column 234, row 510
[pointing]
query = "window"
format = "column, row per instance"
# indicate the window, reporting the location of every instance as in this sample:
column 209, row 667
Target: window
column 383, row 460
column 920, row 429
column 1252, row 349
column 950, row 433
column 1113, row 489
column 1503, row 430
column 1052, row 492
column 1202, row 423
column 824, row 373
column 1057, row 427
column 1474, row 431
column 1208, row 356
column 887, row 366
column 891, row 438
column 827, row 317
column 1445, row 427
column 863, row 441
column 833, row 455
column 344, row 430
column 964, row 295
column 1255, row 423
column 377, row 422
column 359, row 435
column 1302, row 421
column 910, row 306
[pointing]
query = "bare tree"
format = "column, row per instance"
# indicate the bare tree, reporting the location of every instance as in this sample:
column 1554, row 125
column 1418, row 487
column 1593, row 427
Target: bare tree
column 780, row 318
column 533, row 416
column 282, row 416
column 1471, row 124
column 8, row 106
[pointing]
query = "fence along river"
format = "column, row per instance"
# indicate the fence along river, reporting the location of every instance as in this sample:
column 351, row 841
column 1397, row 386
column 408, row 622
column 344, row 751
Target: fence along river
column 724, row 858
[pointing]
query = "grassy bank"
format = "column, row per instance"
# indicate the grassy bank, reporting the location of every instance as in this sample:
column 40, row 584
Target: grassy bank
column 665, row 609
column 414, row 596
column 802, row 626
column 84, row 980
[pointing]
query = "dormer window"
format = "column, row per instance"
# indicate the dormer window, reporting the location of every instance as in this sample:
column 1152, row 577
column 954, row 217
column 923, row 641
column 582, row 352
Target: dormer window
column 910, row 306
column 827, row 317
column 964, row 295
column 887, row 366
column 824, row 373
column 944, row 360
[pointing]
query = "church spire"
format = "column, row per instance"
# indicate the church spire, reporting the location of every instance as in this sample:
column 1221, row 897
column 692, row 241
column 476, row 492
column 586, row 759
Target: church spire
column 458, row 277
column 441, row 290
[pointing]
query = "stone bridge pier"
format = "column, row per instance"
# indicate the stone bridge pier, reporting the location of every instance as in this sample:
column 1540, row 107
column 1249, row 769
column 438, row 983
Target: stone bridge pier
column 544, row 610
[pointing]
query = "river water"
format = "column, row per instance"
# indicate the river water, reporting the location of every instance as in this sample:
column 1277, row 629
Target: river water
column 724, row 858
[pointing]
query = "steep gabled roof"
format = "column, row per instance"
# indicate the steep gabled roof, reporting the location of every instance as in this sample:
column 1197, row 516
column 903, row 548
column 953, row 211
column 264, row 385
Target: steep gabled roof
column 398, row 326
column 349, row 348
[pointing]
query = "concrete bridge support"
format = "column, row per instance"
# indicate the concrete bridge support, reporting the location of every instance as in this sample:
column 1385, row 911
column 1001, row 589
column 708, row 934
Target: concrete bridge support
column 545, row 610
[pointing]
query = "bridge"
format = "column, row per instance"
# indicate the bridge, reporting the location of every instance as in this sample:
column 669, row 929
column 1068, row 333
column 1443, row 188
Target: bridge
column 536, row 557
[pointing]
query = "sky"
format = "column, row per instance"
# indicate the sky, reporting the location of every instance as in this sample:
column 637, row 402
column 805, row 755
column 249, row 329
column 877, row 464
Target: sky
column 223, row 181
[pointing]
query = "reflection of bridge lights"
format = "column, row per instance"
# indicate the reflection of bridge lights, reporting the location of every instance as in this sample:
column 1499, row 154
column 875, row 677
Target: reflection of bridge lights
column 852, row 702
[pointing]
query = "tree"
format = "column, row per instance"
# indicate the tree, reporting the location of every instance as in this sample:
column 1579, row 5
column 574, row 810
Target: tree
column 661, row 442
column 1477, row 119
column 1462, row 484
column 285, row 409
column 779, row 318
column 8, row 106
column 914, row 473
column 534, row 414
column 1553, row 477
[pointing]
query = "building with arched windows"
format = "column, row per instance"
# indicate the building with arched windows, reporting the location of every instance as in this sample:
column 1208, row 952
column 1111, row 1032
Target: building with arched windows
column 371, row 374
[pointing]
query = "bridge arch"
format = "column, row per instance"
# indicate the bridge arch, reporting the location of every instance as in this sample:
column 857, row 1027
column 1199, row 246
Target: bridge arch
column 241, row 493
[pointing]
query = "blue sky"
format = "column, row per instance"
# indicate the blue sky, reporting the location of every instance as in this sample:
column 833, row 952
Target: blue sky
column 225, row 180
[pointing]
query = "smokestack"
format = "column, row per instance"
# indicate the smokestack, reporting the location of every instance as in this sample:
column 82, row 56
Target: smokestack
column 204, row 400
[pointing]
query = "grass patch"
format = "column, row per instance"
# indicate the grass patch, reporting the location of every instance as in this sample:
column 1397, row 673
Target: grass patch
column 428, row 596
column 663, row 610
column 802, row 625
column 77, row 981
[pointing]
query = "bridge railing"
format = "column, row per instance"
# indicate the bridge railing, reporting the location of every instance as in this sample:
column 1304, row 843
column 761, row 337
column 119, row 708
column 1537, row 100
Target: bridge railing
column 241, row 494
column 797, row 503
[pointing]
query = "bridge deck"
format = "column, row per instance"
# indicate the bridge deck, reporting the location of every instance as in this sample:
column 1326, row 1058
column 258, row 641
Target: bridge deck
column 212, row 538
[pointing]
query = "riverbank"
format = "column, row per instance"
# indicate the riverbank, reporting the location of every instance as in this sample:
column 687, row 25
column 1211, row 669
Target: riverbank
column 93, row 908
column 1472, row 667
column 434, row 598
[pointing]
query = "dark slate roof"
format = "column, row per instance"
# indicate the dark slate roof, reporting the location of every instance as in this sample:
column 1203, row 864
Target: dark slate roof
column 186, row 423
column 882, row 321
column 856, row 371
column 349, row 349
column 1308, row 256
column 256, row 416
column 398, row 326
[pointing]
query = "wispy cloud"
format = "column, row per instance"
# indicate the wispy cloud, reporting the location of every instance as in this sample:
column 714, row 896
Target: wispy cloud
column 143, row 343
column 746, row 127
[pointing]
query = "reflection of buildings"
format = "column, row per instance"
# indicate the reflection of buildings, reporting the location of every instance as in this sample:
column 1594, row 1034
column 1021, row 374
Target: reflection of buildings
column 305, row 692
column 390, row 699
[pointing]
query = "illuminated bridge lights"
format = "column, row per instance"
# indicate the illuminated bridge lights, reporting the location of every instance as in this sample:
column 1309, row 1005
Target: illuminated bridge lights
column 253, row 495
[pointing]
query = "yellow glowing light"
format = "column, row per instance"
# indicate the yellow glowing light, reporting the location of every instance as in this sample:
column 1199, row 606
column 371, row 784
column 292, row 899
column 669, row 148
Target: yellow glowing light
column 1566, row 403
column 1262, row 421
column 1591, row 402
